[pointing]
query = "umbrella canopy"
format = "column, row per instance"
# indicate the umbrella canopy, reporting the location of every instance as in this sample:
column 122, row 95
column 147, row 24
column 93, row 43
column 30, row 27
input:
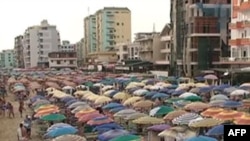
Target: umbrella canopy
column 87, row 117
column 160, row 111
column 185, row 119
column 58, row 125
column 219, row 97
column 211, row 77
column 143, row 104
column 127, row 138
column 112, row 134
column 174, row 114
column 159, row 127
column 217, row 103
column 211, row 112
column 121, row 96
column 132, row 100
column 147, row 120
column 207, row 122
column 232, row 104
column 134, row 116
column 216, row 130
column 187, row 94
column 125, row 112
column 193, row 98
column 76, row 104
column 102, row 100
column 112, row 105
column 239, row 92
column 61, row 131
column 243, row 120
column 228, row 115
column 197, row 106
column 177, row 132
column 70, row 138
column 100, row 120
column 201, row 138
column 53, row 117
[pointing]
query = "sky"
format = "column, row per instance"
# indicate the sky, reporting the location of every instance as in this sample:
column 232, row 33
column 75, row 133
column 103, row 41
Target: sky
column 68, row 15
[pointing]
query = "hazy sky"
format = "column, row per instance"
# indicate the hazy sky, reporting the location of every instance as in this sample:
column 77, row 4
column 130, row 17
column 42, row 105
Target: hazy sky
column 17, row 15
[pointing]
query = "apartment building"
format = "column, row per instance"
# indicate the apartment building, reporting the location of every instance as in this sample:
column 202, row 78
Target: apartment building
column 7, row 59
column 127, row 51
column 80, row 52
column 38, row 42
column 18, row 52
column 59, row 60
column 200, row 34
column 240, row 35
column 103, row 30
column 66, row 46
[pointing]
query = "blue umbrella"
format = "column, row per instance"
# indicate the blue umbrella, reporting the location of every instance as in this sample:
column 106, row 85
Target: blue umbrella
column 201, row 138
column 216, row 130
column 106, row 136
column 61, row 131
column 113, row 93
column 112, row 105
column 71, row 102
column 199, row 78
column 66, row 99
column 232, row 104
column 159, row 95
column 178, row 92
column 35, row 98
column 117, row 109
column 205, row 89
column 165, row 90
column 106, row 127
column 150, row 94
column 221, row 87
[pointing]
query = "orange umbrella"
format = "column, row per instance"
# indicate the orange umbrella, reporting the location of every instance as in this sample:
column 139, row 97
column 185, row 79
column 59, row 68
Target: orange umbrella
column 211, row 112
column 243, row 120
column 46, row 112
column 88, row 117
column 47, row 109
column 197, row 106
column 246, row 103
column 80, row 113
column 228, row 115
column 174, row 114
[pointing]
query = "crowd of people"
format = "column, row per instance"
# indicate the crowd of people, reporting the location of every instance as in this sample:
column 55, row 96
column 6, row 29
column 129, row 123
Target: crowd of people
column 24, row 130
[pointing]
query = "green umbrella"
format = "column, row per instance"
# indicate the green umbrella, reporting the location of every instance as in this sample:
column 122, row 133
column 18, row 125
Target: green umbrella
column 127, row 138
column 53, row 117
column 172, row 100
column 160, row 111
column 193, row 98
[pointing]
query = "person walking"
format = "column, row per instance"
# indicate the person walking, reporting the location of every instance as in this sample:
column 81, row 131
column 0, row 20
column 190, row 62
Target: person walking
column 21, row 108
column 21, row 133
column 10, row 110
column 27, row 124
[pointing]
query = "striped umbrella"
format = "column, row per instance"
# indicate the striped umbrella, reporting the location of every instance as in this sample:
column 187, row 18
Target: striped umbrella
column 206, row 122
column 186, row 118
column 174, row 114
column 211, row 112
column 243, row 120
column 228, row 115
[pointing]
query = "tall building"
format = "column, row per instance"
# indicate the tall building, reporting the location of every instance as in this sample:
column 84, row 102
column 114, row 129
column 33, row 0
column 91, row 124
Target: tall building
column 103, row 30
column 200, row 34
column 80, row 52
column 240, row 32
column 7, row 59
column 66, row 46
column 18, row 52
column 38, row 42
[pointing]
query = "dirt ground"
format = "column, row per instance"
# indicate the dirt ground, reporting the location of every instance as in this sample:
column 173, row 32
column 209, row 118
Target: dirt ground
column 8, row 130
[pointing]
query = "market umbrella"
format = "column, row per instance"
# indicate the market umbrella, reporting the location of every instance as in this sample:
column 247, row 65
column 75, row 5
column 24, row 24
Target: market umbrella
column 46, row 112
column 143, row 104
column 177, row 132
column 193, row 98
column 159, row 127
column 147, row 120
column 76, row 104
column 217, row 103
column 134, row 116
column 85, row 111
column 228, row 115
column 99, row 121
column 201, row 138
column 117, row 109
column 80, row 108
column 102, row 100
column 112, row 134
column 197, row 106
column 125, row 112
column 69, row 138
column 127, row 138
column 160, row 111
column 58, row 125
column 174, row 114
column 87, row 117
column 45, row 107
column 187, row 94
column 216, row 130
column 53, row 117
column 232, row 104
column 121, row 96
column 185, row 119
column 211, row 112
column 243, row 120
column 61, row 131
column 112, row 105
column 206, row 122
column 219, row 97
column 132, row 100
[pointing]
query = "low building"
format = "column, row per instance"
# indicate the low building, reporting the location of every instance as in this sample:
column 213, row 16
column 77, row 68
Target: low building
column 67, row 47
column 7, row 59
column 59, row 60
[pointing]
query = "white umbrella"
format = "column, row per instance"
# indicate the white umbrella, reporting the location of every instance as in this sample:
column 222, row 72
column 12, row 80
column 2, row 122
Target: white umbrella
column 219, row 97
column 67, row 88
column 108, row 87
column 76, row 104
column 79, row 108
column 238, row 92
column 140, row 92
column 187, row 94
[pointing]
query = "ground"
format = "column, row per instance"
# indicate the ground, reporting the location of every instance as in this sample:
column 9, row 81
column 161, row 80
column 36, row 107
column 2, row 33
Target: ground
column 8, row 130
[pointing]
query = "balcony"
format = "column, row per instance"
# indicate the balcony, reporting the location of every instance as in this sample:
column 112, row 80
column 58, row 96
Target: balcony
column 162, row 62
column 166, row 38
column 145, row 49
column 238, row 25
column 166, row 50
column 229, row 60
column 244, row 6
column 239, row 42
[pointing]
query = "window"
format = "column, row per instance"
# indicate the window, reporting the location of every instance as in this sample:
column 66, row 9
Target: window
column 44, row 28
column 41, row 40
column 58, row 62
column 117, row 23
column 71, row 62
column 122, row 24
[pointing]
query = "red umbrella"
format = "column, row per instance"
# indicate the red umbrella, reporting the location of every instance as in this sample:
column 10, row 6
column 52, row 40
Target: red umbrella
column 228, row 115
column 88, row 117
column 99, row 121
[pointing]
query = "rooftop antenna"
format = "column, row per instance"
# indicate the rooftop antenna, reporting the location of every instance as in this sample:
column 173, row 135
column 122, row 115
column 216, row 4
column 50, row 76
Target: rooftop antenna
column 154, row 27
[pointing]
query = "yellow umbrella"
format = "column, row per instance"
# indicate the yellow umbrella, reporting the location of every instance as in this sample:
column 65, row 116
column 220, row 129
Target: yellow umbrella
column 197, row 106
column 51, row 89
column 45, row 107
column 132, row 100
column 243, row 120
column 143, row 104
column 211, row 112
column 174, row 114
column 147, row 120
column 102, row 100
column 206, row 122
column 177, row 132
column 121, row 96
column 92, row 97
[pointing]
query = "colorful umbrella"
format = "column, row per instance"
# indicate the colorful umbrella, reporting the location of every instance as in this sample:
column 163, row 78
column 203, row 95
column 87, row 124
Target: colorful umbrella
column 177, row 132
column 232, row 104
column 53, row 117
column 193, row 98
column 160, row 111
column 219, row 97
column 143, row 104
column 102, row 100
column 185, row 119
column 174, row 114
column 187, row 94
column 134, row 116
column 207, row 122
column 99, row 121
column 147, row 120
column 216, row 130
column 201, row 138
column 127, row 138
column 228, row 115
column 87, row 117
column 243, row 120
column 69, row 138
column 159, row 127
column 125, row 112
column 112, row 134
column 132, row 100
column 112, row 105
column 211, row 112
column 197, row 106
column 61, row 131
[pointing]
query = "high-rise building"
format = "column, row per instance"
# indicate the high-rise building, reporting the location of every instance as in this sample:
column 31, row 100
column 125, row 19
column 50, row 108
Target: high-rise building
column 103, row 30
column 200, row 34
column 66, row 46
column 80, row 53
column 38, row 41
column 18, row 52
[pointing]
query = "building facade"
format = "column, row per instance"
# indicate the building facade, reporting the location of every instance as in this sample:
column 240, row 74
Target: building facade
column 127, row 51
column 18, row 52
column 200, row 33
column 38, row 42
column 103, row 30
column 7, row 59
column 66, row 46
column 80, row 53
column 59, row 60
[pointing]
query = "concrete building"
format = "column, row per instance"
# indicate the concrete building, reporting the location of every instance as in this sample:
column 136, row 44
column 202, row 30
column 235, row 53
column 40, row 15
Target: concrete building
column 240, row 35
column 200, row 33
column 112, row 26
column 38, row 42
column 80, row 53
column 7, row 59
column 18, row 52
column 127, row 51
column 59, row 60
column 66, row 46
